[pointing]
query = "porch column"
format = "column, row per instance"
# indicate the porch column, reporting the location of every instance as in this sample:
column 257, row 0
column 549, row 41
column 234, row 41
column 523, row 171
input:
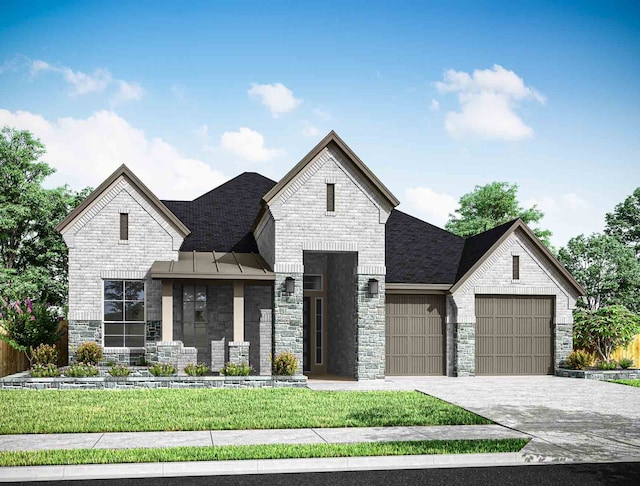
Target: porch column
column 167, row 310
column 238, row 311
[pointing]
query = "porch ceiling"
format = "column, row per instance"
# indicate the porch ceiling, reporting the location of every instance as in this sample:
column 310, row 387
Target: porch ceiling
column 213, row 265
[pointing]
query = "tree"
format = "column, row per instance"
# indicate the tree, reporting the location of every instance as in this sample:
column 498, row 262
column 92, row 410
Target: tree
column 32, row 253
column 606, row 268
column 26, row 325
column 605, row 329
column 624, row 222
column 492, row 205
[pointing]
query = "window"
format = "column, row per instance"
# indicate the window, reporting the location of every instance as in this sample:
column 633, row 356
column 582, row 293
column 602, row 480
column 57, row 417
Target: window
column 124, row 226
column 124, row 319
column 312, row 282
column 331, row 197
column 318, row 331
column 194, row 316
column 516, row 267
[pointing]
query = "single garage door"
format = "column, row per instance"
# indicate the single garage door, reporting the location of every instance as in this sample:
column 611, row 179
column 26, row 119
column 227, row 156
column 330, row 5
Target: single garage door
column 415, row 335
column 514, row 335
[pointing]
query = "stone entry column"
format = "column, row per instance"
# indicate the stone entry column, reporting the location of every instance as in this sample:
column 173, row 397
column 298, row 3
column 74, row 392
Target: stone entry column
column 239, row 352
column 167, row 310
column 287, row 311
column 370, row 315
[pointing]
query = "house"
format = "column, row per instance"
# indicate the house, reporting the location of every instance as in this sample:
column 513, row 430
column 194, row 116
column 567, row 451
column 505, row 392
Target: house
column 320, row 264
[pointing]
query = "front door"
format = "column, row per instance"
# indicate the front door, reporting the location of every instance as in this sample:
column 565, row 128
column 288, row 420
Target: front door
column 314, row 333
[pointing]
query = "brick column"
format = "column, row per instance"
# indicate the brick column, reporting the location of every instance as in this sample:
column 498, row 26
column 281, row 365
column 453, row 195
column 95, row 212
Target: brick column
column 370, row 310
column 287, row 325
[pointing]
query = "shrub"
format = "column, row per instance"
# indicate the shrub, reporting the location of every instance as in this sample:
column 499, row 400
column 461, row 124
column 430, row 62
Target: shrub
column 81, row 370
column 45, row 355
column 44, row 371
column 119, row 370
column 607, row 365
column 605, row 329
column 285, row 364
column 162, row 369
column 233, row 369
column 579, row 360
column 28, row 324
column 199, row 369
column 89, row 352
column 625, row 363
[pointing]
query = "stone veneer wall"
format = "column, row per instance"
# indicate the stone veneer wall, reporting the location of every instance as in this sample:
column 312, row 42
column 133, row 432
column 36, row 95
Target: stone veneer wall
column 371, row 329
column 239, row 352
column 287, row 317
column 172, row 352
column 83, row 331
column 257, row 326
column 341, row 310
column 154, row 331
column 465, row 356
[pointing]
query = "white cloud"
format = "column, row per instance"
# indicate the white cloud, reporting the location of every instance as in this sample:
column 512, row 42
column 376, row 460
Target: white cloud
column 277, row 97
column 82, row 83
column 435, row 105
column 310, row 131
column 488, row 101
column 248, row 144
column 429, row 205
column 86, row 151
column 127, row 92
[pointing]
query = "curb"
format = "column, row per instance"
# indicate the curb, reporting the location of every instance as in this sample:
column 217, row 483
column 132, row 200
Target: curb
column 262, row 466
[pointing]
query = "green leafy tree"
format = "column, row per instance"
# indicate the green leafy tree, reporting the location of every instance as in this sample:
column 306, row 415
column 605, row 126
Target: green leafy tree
column 491, row 205
column 624, row 221
column 606, row 329
column 25, row 325
column 606, row 268
column 32, row 253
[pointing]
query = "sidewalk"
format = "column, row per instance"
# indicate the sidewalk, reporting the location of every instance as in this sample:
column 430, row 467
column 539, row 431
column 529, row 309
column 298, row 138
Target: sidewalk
column 125, row 440
column 208, row 438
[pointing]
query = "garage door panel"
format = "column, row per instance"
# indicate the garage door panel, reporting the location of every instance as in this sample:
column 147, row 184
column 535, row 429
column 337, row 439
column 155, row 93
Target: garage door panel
column 514, row 335
column 415, row 334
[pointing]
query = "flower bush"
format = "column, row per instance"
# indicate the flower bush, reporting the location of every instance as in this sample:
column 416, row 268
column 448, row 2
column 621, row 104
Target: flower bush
column 233, row 369
column 89, row 352
column 27, row 324
column 44, row 371
column 579, row 360
column 45, row 355
column 119, row 370
column 199, row 369
column 81, row 370
column 285, row 364
column 162, row 369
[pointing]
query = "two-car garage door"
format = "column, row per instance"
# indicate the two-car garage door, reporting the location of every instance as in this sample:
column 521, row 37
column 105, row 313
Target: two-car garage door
column 514, row 335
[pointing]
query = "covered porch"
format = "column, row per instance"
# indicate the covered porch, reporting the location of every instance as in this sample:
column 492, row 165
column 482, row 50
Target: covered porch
column 216, row 308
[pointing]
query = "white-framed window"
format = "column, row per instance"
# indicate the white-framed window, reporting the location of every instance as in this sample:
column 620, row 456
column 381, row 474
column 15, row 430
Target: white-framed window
column 124, row 313
column 312, row 282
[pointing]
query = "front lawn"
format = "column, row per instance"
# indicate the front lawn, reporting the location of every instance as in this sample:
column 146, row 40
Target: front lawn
column 54, row 411
column 275, row 451
column 628, row 382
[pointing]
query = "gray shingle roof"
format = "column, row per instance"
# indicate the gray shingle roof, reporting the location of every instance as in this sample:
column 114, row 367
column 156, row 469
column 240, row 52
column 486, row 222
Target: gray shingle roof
column 416, row 251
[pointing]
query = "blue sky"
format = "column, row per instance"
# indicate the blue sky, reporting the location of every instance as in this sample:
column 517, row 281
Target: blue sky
column 435, row 97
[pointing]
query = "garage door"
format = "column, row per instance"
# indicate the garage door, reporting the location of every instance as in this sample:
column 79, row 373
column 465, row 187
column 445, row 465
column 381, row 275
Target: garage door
column 514, row 335
column 415, row 335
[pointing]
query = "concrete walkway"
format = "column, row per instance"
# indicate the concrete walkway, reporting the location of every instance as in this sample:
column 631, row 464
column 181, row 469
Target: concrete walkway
column 128, row 440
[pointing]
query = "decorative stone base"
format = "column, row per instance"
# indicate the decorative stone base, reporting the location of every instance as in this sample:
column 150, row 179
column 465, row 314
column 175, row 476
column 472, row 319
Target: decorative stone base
column 81, row 332
column 172, row 352
column 601, row 375
column 239, row 352
column 123, row 356
column 22, row 381
column 218, row 354
column 370, row 315
column 465, row 344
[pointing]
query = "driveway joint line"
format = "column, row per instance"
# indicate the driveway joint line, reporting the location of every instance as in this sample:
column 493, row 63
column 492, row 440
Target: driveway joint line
column 99, row 439
column 211, row 437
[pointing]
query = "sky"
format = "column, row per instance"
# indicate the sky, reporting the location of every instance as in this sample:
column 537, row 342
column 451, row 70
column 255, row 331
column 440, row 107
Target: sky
column 435, row 97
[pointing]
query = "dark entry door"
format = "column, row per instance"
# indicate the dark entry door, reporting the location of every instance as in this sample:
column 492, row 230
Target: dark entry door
column 306, row 331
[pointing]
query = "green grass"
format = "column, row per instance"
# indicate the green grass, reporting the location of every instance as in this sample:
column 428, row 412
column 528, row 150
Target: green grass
column 277, row 451
column 55, row 411
column 628, row 382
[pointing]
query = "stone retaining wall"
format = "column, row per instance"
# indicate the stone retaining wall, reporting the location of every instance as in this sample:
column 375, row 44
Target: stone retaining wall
column 21, row 381
column 601, row 375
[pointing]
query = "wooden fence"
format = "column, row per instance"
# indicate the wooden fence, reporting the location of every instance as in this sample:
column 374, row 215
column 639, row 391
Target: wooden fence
column 12, row 361
column 632, row 351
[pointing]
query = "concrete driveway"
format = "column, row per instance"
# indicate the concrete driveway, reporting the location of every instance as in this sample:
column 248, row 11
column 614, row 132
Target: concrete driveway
column 568, row 418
